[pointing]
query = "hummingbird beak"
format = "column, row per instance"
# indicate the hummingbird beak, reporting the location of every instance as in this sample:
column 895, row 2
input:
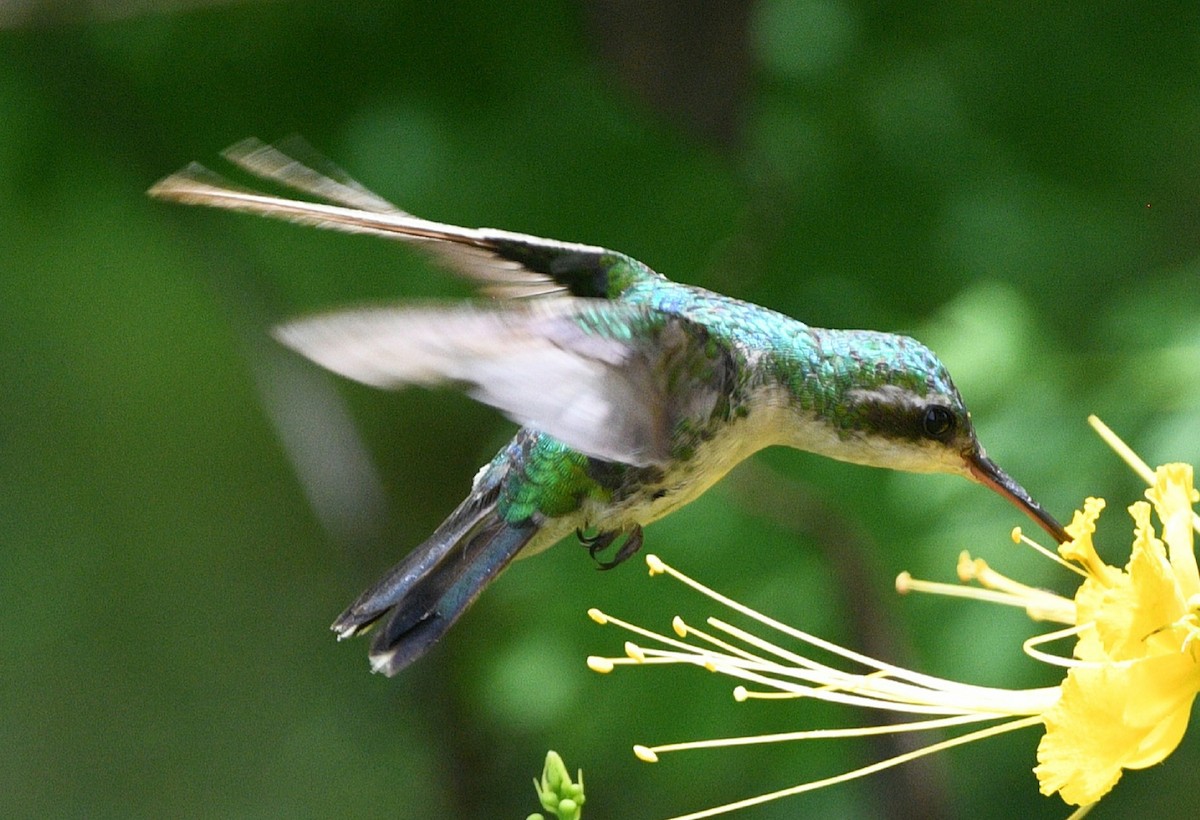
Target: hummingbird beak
column 985, row 471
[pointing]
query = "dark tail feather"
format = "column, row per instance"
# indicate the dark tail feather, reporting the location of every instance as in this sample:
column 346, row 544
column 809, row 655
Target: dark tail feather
column 431, row 588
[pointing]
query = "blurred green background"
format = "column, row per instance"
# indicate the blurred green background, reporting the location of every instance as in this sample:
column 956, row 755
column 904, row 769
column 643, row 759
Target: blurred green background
column 184, row 508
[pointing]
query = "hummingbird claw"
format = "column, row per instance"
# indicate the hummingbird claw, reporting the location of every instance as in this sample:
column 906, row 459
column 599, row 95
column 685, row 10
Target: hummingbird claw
column 603, row 540
column 598, row 542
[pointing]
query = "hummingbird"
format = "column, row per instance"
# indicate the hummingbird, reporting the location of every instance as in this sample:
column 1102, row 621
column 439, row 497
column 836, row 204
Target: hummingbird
column 634, row 394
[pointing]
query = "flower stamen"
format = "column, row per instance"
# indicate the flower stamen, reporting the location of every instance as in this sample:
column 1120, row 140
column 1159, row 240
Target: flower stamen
column 1010, row 726
column 1132, row 671
column 1019, row 537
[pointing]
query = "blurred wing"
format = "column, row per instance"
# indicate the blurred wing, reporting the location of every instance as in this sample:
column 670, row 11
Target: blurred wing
column 295, row 164
column 506, row 264
column 609, row 380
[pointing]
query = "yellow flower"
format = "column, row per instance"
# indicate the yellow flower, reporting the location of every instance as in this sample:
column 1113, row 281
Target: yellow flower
column 1131, row 678
column 1126, row 704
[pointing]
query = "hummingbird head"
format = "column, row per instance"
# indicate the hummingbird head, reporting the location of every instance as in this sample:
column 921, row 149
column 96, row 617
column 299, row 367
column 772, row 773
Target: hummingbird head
column 899, row 409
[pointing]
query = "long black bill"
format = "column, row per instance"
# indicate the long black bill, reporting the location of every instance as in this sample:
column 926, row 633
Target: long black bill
column 987, row 473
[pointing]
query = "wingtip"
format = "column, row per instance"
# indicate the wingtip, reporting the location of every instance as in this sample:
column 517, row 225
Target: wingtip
column 284, row 333
column 243, row 148
column 173, row 186
column 196, row 184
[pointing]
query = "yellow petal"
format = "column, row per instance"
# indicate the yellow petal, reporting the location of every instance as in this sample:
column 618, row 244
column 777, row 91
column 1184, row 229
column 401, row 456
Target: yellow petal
column 1163, row 689
column 1110, row 610
column 1080, row 549
column 1080, row 755
column 1112, row 718
column 1173, row 496
column 1158, row 600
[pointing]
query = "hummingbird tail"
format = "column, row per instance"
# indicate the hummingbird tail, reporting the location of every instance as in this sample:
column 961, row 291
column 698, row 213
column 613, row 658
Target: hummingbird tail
column 433, row 586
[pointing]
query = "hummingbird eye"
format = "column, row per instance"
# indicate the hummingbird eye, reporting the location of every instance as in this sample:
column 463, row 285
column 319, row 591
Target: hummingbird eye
column 938, row 422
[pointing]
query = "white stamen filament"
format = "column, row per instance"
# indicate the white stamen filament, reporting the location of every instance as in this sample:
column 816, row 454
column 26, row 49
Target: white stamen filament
column 1019, row 537
column 813, row 785
column 1043, row 603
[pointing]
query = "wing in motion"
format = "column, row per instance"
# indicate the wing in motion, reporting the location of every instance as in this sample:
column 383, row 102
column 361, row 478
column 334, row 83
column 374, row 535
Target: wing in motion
column 504, row 263
column 610, row 380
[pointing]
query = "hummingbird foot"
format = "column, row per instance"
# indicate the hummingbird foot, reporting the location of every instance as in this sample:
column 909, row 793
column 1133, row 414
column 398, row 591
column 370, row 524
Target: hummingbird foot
column 603, row 540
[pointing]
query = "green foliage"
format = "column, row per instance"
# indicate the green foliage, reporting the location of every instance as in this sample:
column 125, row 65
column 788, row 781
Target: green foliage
column 184, row 508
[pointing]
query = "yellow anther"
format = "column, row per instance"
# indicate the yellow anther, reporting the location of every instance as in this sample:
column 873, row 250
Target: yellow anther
column 645, row 754
column 599, row 664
